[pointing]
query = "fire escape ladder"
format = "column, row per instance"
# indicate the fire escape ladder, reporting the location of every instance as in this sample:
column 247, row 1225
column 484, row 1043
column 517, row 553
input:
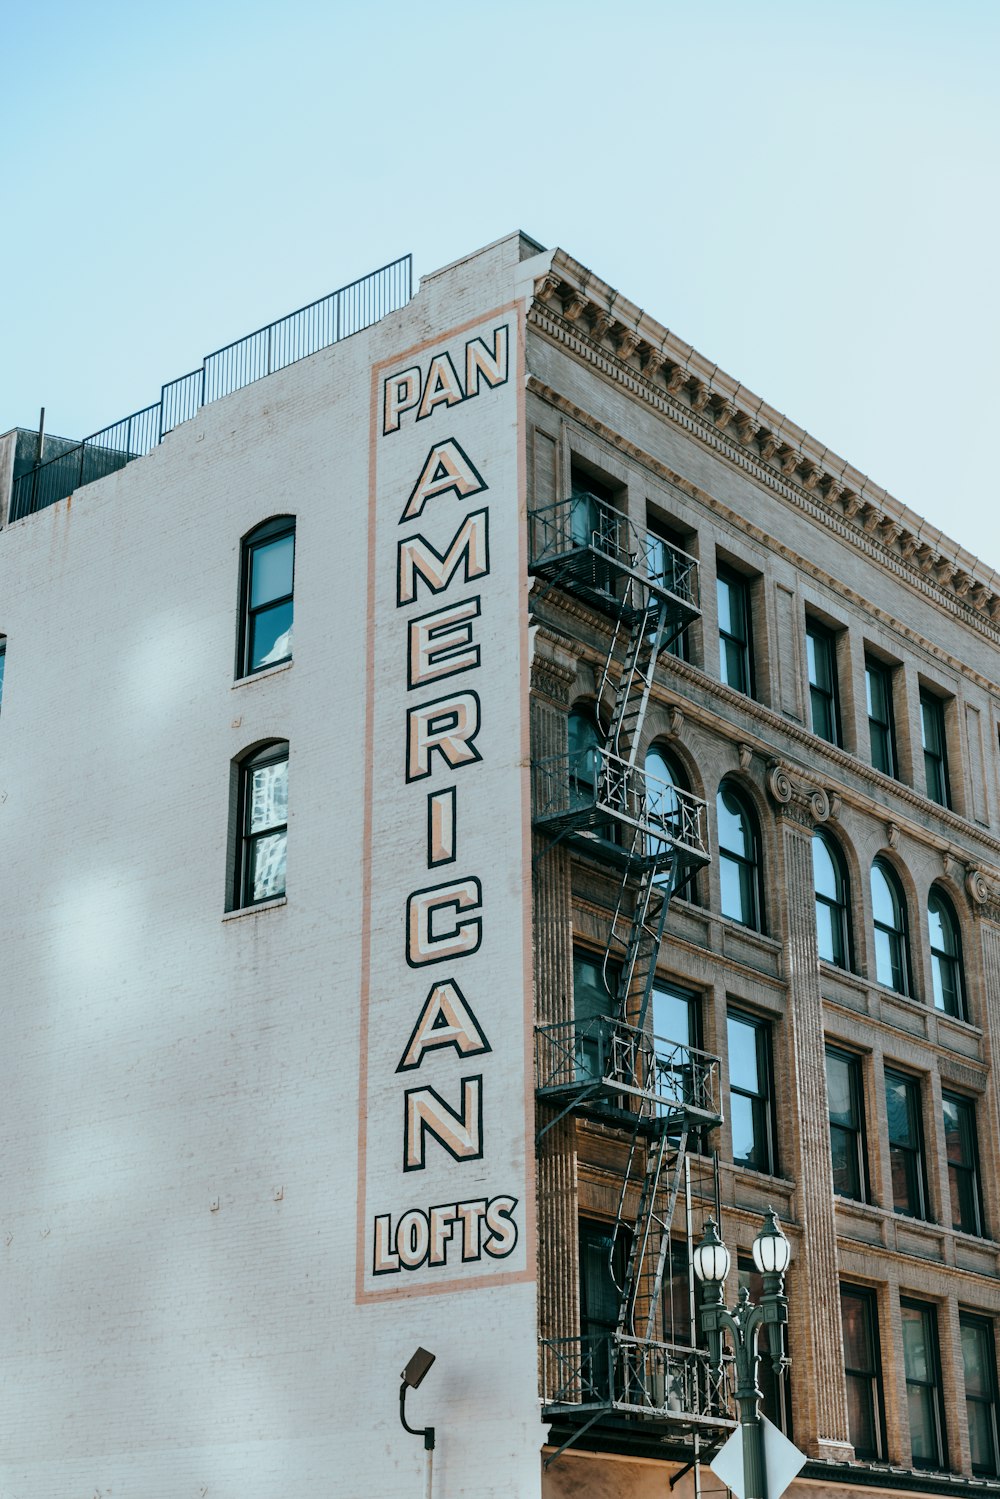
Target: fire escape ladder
column 634, row 940
column 649, row 1230
column 646, row 640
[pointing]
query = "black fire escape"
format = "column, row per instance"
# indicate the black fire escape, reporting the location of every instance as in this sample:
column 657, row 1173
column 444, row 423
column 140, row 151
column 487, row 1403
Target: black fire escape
column 658, row 1096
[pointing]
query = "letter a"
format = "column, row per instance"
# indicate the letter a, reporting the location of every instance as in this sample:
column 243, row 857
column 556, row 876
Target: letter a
column 445, row 1020
column 446, row 468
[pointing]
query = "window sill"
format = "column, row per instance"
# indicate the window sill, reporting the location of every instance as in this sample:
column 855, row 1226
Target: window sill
column 261, row 676
column 264, row 905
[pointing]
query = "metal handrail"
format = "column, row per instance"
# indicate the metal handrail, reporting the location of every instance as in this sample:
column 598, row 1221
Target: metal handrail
column 652, row 1378
column 598, row 778
column 668, row 1075
column 584, row 520
column 297, row 335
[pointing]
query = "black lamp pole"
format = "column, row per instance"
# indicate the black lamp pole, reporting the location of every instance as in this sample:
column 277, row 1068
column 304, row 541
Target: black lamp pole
column 743, row 1324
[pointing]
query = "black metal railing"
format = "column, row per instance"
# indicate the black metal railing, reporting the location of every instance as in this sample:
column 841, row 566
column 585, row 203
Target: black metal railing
column 665, row 1076
column 272, row 348
column 631, row 556
column 594, row 782
column 632, row 1375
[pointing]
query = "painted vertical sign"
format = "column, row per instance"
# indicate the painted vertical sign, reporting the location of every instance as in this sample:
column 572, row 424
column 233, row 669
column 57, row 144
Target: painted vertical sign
column 443, row 1197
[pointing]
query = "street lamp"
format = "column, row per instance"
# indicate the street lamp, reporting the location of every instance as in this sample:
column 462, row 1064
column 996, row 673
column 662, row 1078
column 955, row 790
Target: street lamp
column 771, row 1253
column 411, row 1379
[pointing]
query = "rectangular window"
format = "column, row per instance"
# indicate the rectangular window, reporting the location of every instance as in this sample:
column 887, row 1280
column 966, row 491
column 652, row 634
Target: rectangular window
column 675, row 1032
column 845, row 1100
column 681, row 1324
column 668, row 561
column 775, row 1403
column 924, row 1396
column 600, row 1249
column 881, row 725
column 906, row 1144
column 591, row 1004
column 935, row 756
column 3, row 658
column 735, row 655
column 751, row 1106
column 821, row 652
column 979, row 1360
column 263, row 826
column 863, row 1372
column 963, row 1163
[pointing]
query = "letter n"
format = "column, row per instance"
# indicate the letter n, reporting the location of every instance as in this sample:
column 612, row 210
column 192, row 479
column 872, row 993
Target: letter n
column 426, row 1113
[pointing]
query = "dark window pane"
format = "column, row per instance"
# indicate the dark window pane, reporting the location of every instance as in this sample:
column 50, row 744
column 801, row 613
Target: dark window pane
column 734, row 631
column 923, row 1386
column 750, row 1092
column 979, row 1363
column 935, row 762
column 271, row 571
column 946, row 961
column 880, row 721
column 744, row 1069
column 271, row 636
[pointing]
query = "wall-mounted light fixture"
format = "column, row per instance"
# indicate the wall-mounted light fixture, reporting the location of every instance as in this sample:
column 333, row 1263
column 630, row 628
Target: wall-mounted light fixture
column 410, row 1379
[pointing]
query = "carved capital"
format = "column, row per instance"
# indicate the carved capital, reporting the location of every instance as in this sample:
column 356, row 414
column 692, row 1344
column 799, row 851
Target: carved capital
column 977, row 886
column 802, row 802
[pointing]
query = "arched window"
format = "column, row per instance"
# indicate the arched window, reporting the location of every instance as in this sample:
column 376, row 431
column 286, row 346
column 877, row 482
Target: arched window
column 892, row 960
column 739, row 859
column 262, row 826
column 830, row 885
column 662, row 779
column 946, row 955
column 584, row 761
column 267, row 569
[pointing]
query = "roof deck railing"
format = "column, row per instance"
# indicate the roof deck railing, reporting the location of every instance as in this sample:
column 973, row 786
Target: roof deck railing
column 269, row 349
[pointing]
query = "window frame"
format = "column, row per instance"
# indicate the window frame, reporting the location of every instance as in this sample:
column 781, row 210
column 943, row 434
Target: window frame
column 264, row 535
column 662, row 535
column 937, row 783
column 897, row 935
column 762, row 1104
column 274, row 752
column 840, row 922
column 857, row 1131
column 739, row 586
column 868, row 1298
column 969, row 1169
column 915, row 1155
column 818, row 634
column 940, row 956
column 982, row 1324
column 884, row 727
column 932, row 1355
column 3, row 664
column 749, row 866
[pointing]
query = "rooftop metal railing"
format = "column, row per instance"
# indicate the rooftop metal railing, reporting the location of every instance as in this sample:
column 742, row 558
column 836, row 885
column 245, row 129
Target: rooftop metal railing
column 322, row 323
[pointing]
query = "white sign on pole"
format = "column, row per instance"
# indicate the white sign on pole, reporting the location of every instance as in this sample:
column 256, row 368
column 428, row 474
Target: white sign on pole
column 782, row 1461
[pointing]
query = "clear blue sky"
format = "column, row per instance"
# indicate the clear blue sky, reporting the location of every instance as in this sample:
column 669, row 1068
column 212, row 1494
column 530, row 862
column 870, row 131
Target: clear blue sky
column 805, row 191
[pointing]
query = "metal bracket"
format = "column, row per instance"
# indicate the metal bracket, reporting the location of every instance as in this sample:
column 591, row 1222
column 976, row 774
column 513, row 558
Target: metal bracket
column 574, row 1437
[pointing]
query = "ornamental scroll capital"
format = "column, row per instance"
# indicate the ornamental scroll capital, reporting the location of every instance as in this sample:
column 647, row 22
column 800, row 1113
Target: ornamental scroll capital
column 978, row 887
column 800, row 800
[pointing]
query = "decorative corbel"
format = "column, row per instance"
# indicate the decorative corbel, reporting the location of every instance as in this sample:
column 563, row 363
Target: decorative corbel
column 768, row 445
column 961, row 583
column 574, row 305
column 891, row 532
column 981, row 597
column 701, row 394
column 788, row 460
column 675, row 722
column 546, row 285
column 676, row 378
column 926, row 557
column 945, row 571
column 908, row 545
column 725, row 412
column 653, row 361
column 746, row 756
column 811, row 477
column 600, row 322
column 746, row 429
column 850, row 503
column 832, row 491
column 871, row 517
column 892, row 835
column 628, row 342
column 779, row 782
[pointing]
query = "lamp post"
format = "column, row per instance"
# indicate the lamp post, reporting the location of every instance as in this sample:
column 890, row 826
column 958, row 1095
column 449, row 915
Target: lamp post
column 771, row 1254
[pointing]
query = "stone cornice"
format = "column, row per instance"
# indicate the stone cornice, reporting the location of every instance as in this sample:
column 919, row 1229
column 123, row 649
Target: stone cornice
column 639, row 353
column 801, row 564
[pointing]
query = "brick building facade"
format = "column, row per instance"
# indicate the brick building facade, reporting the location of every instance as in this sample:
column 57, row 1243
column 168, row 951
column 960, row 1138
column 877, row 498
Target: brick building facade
column 657, row 752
